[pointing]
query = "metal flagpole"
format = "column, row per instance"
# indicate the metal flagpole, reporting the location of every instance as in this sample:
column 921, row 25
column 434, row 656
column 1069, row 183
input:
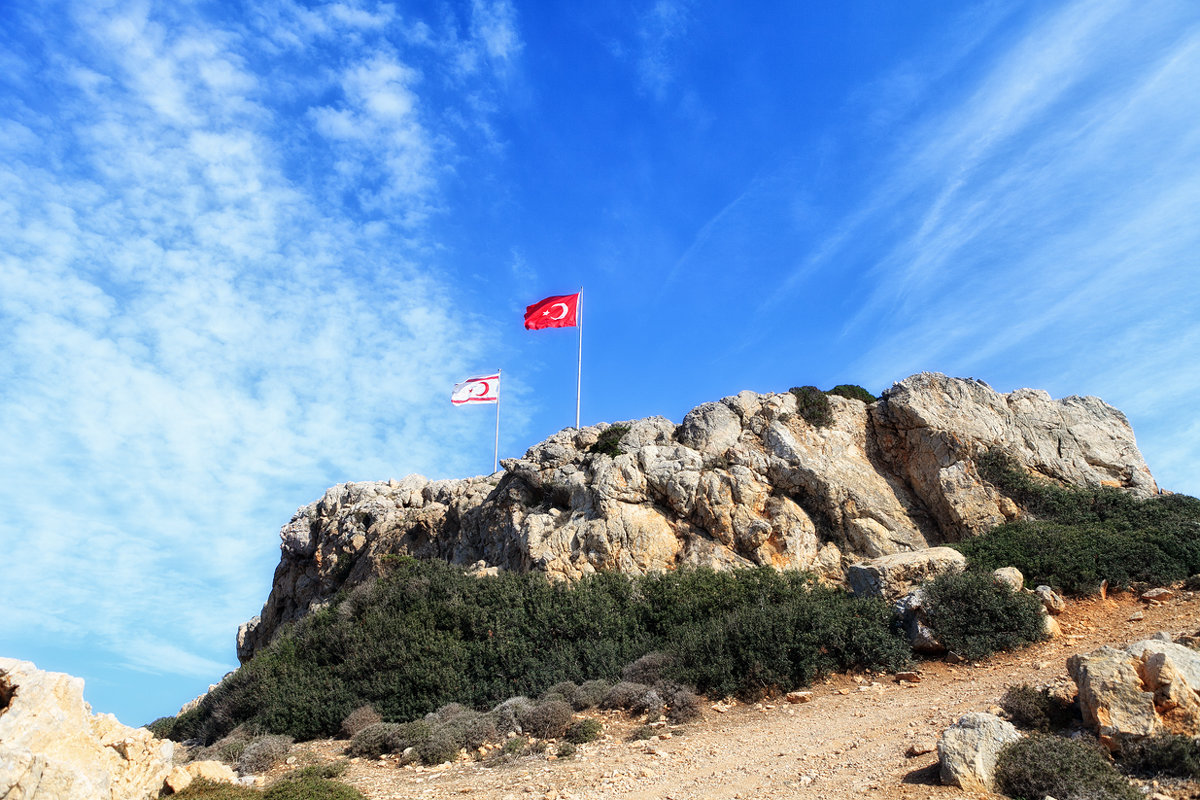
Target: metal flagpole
column 496, row 452
column 579, row 375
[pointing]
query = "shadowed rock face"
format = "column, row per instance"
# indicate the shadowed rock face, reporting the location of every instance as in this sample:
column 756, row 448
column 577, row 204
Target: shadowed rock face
column 742, row 481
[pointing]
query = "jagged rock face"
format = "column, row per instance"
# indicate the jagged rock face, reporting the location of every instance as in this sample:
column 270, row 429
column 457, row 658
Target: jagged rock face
column 53, row 747
column 742, row 481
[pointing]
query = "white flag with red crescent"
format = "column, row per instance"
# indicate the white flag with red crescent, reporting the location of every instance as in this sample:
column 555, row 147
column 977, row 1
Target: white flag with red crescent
column 482, row 389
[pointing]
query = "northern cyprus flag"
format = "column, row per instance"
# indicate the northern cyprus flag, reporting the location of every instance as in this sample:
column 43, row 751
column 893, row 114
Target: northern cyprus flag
column 482, row 389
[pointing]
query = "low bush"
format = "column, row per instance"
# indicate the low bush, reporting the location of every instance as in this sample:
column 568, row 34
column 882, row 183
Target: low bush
column 589, row 694
column 813, row 406
column 508, row 714
column 566, row 749
column 307, row 784
column 584, row 731
column 624, row 696
column 641, row 733
column 388, row 737
column 649, row 669
column 440, row 747
column 1164, row 754
column 547, row 720
column 1035, row 709
column 262, row 753
column 1040, row 765
column 203, row 789
column 609, row 442
column 853, row 392
column 563, row 690
column 651, row 704
column 683, row 705
column 974, row 615
column 358, row 719
column 468, row 729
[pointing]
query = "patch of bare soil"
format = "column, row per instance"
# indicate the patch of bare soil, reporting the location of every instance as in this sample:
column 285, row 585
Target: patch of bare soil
column 860, row 736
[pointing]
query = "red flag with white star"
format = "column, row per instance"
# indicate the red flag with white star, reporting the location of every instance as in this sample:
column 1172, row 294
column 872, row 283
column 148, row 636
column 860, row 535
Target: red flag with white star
column 558, row 311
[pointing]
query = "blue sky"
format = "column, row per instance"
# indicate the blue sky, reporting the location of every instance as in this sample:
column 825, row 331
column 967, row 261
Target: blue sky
column 246, row 250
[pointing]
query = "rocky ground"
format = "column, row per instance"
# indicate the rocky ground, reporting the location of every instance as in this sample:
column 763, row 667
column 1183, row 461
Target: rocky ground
column 867, row 735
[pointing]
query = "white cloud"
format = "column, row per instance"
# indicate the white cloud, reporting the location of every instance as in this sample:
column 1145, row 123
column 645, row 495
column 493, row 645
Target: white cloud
column 199, row 336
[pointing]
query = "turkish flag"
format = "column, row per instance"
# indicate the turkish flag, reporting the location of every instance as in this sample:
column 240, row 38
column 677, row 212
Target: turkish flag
column 558, row 311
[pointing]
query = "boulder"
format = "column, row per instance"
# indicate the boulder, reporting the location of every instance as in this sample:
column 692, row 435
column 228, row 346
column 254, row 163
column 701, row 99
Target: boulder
column 741, row 481
column 53, row 748
column 890, row 577
column 1010, row 577
column 1051, row 600
column 1143, row 690
column 968, row 750
column 915, row 624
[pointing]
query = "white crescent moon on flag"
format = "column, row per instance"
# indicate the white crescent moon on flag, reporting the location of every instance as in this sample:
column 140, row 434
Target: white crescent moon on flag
column 564, row 308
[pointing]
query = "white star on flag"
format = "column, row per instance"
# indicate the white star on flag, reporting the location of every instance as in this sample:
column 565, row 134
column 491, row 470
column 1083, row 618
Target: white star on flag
column 481, row 389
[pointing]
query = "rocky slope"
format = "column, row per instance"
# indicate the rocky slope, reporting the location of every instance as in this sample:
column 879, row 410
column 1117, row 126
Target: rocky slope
column 745, row 480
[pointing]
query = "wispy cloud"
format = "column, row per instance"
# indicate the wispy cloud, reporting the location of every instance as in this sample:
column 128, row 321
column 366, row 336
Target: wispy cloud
column 660, row 30
column 201, row 335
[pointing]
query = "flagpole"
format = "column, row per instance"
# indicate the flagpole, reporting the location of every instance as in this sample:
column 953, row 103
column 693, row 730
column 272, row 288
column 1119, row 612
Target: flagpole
column 579, row 374
column 496, row 452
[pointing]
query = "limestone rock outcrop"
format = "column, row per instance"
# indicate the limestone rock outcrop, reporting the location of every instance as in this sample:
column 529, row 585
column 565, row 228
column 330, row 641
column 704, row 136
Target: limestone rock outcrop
column 1147, row 688
column 52, row 747
column 742, row 481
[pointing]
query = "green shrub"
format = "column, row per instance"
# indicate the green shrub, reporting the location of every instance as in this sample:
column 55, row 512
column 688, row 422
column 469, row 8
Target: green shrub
column 641, row 733
column 203, row 789
column 1164, row 754
column 547, row 720
column 468, row 729
column 262, row 753
column 566, row 749
column 683, row 705
column 516, row 746
column 563, row 690
column 358, row 719
column 1039, row 765
column 308, row 785
column 853, row 392
column 584, row 731
column 388, row 737
column 1035, row 709
column 624, row 696
column 974, row 615
column 162, row 727
column 1082, row 536
column 589, row 694
column 813, row 406
column 440, row 747
column 649, row 669
column 609, row 442
column 785, row 643
column 508, row 714
column 426, row 635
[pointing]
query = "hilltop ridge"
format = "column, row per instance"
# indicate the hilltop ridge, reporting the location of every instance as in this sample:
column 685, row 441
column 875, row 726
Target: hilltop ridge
column 752, row 479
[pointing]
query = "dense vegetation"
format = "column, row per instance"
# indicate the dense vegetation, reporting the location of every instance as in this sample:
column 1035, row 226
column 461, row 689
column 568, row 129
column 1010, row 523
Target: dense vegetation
column 1040, row 765
column 1082, row 536
column 974, row 615
column 428, row 634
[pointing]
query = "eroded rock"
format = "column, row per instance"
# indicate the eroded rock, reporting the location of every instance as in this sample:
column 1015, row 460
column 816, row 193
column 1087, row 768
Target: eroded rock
column 52, row 747
column 741, row 481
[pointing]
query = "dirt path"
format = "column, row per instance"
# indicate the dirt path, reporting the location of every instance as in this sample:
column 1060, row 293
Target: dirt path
column 850, row 741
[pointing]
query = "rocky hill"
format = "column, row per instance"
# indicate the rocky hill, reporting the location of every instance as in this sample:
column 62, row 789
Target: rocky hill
column 745, row 480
